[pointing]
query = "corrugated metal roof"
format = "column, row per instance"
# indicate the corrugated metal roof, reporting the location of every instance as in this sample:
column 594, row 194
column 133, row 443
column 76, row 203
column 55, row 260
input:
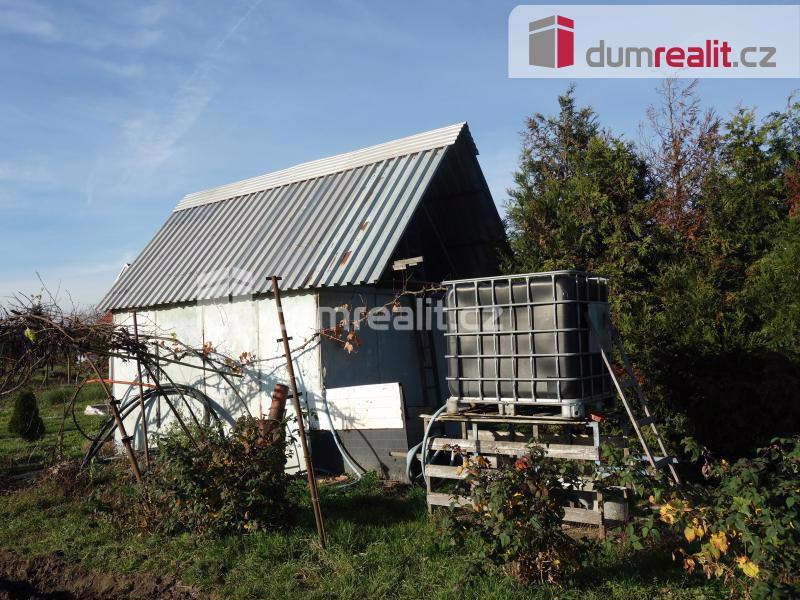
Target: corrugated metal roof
column 330, row 222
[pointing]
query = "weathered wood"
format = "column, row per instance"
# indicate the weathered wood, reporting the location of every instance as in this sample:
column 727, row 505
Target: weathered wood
column 458, row 473
column 507, row 448
column 442, row 499
column 510, row 419
column 445, row 472
column 583, row 516
column 298, row 412
column 571, row 515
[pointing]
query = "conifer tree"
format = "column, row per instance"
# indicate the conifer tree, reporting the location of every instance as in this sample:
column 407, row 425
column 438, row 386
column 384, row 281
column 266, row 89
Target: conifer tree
column 25, row 421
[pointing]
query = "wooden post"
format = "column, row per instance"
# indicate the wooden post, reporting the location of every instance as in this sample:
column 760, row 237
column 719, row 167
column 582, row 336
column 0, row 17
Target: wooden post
column 312, row 480
column 141, row 392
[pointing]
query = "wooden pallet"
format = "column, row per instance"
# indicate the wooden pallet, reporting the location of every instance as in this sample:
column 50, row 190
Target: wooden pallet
column 577, row 439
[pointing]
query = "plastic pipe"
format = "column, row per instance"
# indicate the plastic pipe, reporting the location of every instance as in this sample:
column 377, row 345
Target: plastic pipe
column 423, row 445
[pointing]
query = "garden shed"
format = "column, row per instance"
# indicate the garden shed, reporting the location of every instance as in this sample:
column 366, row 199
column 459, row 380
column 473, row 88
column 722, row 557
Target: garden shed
column 345, row 231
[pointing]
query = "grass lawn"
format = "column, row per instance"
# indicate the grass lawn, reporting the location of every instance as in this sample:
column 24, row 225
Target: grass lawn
column 381, row 544
column 18, row 455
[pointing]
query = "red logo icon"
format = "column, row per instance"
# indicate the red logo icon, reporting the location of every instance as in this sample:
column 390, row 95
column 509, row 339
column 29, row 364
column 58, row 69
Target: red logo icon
column 551, row 42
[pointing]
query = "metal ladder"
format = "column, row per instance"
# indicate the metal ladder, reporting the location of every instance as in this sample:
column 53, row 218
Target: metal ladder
column 629, row 382
column 426, row 356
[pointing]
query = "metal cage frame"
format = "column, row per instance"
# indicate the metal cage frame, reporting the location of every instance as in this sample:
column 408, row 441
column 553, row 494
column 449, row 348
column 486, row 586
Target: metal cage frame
column 589, row 288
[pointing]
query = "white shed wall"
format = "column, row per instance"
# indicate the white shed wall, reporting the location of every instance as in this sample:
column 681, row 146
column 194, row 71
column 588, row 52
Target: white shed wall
column 233, row 328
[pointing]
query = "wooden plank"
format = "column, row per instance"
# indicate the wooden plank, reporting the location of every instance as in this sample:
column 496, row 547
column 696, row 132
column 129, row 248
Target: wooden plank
column 511, row 419
column 571, row 515
column 376, row 406
column 445, row 472
column 506, row 448
column 442, row 499
column 582, row 515
column 448, row 472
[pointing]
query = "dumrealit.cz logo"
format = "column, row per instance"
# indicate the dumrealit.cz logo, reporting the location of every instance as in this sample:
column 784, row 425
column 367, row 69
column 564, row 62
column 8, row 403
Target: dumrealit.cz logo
column 551, row 42
column 654, row 41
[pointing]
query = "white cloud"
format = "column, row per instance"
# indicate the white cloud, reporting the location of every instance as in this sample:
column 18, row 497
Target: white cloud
column 33, row 19
column 28, row 18
column 152, row 14
column 128, row 38
column 154, row 137
column 119, row 69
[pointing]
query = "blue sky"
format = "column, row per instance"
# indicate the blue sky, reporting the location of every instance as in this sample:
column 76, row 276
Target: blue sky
column 111, row 111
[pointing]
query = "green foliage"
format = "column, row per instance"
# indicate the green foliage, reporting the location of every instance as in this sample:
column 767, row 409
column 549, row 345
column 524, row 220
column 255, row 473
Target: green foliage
column 571, row 175
column 741, row 524
column 25, row 421
column 381, row 545
column 771, row 294
column 93, row 393
column 58, row 395
column 516, row 520
column 19, row 455
column 700, row 235
column 233, row 482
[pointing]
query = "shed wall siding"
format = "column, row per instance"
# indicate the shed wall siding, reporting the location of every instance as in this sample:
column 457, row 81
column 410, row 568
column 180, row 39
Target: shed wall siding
column 233, row 328
column 383, row 357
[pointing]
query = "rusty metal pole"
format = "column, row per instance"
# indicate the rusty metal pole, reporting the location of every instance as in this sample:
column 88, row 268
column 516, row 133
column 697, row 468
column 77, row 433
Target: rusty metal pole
column 312, row 480
column 112, row 407
column 141, row 392
column 277, row 409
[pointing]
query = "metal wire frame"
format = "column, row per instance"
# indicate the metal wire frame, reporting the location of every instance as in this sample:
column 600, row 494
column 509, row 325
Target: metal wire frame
column 129, row 404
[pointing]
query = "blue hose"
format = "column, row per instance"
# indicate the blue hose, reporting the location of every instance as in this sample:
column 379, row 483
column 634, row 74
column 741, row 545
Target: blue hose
column 345, row 454
column 423, row 445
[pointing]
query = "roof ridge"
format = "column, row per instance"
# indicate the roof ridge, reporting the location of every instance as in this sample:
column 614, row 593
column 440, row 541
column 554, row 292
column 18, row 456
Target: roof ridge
column 435, row 138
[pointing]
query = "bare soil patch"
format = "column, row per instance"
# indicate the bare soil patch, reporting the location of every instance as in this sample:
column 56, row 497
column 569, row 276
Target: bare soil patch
column 51, row 577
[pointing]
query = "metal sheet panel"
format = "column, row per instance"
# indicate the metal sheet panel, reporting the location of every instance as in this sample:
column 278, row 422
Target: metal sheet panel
column 328, row 227
column 436, row 138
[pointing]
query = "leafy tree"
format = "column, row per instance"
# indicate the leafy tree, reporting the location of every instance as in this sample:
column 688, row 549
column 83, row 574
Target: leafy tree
column 772, row 294
column 744, row 199
column 695, row 230
column 579, row 200
column 681, row 148
column 25, row 421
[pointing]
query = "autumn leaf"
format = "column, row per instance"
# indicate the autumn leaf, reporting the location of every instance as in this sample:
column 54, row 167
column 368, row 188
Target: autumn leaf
column 747, row 566
column 689, row 534
column 720, row 541
column 667, row 514
column 689, row 564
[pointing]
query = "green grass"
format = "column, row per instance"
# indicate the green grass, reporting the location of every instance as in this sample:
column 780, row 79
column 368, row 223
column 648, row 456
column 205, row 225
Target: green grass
column 380, row 545
column 18, row 455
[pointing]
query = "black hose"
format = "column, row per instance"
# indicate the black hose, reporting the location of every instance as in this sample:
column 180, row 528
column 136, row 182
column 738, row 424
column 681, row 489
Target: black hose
column 108, row 428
